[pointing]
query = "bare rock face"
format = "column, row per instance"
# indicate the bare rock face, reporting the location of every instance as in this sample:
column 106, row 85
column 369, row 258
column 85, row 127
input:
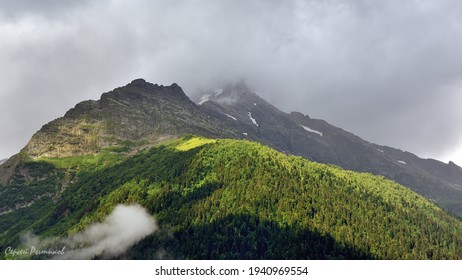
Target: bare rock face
column 139, row 111
column 66, row 137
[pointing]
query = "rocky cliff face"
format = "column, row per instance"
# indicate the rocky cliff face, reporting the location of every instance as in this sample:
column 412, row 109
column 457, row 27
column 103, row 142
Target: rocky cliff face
column 138, row 112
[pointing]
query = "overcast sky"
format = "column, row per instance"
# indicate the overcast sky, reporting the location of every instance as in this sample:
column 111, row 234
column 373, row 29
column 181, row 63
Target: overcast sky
column 388, row 71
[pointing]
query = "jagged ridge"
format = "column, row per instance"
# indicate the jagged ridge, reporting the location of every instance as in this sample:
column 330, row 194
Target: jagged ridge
column 138, row 112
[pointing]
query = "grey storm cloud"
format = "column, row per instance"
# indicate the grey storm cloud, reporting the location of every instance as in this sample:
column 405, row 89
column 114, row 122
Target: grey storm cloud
column 389, row 71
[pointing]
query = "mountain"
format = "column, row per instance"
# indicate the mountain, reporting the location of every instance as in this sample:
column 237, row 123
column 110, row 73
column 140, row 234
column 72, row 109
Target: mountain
column 298, row 134
column 3, row 160
column 215, row 197
column 141, row 113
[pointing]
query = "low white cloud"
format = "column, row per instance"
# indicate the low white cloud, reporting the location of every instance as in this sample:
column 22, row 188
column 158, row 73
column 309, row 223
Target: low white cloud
column 120, row 230
column 123, row 228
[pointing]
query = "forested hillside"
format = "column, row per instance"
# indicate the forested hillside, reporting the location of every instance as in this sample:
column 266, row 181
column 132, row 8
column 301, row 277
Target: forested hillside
column 230, row 199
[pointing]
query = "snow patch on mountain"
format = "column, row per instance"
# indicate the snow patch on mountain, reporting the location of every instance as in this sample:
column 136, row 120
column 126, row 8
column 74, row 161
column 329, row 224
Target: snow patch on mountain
column 252, row 119
column 402, row 162
column 203, row 99
column 229, row 116
column 218, row 91
column 311, row 130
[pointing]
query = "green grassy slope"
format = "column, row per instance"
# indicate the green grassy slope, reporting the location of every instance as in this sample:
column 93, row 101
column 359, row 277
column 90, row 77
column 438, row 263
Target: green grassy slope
column 229, row 199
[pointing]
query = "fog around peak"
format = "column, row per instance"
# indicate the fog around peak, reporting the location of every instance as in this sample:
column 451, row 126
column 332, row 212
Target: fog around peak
column 388, row 71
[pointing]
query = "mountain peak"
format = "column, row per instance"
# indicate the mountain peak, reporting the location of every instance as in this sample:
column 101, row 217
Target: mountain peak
column 237, row 94
column 139, row 81
column 138, row 112
column 141, row 84
column 239, row 86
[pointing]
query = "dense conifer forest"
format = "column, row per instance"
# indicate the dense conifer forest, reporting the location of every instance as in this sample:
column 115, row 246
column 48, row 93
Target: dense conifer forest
column 230, row 199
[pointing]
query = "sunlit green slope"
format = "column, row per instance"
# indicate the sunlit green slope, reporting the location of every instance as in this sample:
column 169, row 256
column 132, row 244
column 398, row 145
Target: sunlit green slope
column 229, row 199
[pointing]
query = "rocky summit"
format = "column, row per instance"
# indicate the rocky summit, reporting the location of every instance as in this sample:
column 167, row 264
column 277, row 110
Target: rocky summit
column 139, row 112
